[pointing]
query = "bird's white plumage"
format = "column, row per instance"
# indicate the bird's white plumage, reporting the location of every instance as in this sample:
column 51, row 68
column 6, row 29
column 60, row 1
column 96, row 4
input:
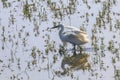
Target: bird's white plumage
column 74, row 30
column 72, row 35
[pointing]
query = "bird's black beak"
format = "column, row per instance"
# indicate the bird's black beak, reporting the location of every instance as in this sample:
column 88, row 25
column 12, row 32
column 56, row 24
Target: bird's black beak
column 54, row 27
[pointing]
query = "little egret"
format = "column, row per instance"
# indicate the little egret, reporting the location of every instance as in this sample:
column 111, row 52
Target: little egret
column 74, row 36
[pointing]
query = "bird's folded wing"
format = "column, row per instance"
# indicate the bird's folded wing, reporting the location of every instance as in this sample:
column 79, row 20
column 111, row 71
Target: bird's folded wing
column 76, row 38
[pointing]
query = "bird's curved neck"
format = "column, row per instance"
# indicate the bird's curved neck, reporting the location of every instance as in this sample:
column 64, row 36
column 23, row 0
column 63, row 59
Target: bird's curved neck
column 61, row 32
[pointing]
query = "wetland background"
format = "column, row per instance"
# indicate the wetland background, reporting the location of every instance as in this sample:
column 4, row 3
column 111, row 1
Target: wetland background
column 29, row 50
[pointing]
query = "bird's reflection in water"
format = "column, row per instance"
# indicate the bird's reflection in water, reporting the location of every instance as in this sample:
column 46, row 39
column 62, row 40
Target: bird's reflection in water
column 75, row 62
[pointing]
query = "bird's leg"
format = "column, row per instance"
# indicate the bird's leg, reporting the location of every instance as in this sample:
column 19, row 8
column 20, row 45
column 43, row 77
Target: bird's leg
column 74, row 50
column 80, row 49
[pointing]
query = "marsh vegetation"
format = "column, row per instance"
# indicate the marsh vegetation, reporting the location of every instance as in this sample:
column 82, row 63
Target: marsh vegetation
column 30, row 50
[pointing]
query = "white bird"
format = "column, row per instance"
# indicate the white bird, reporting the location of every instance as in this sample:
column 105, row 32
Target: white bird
column 74, row 36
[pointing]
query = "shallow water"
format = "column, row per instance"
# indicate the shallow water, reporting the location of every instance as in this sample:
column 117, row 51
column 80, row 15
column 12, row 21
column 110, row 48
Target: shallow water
column 29, row 49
